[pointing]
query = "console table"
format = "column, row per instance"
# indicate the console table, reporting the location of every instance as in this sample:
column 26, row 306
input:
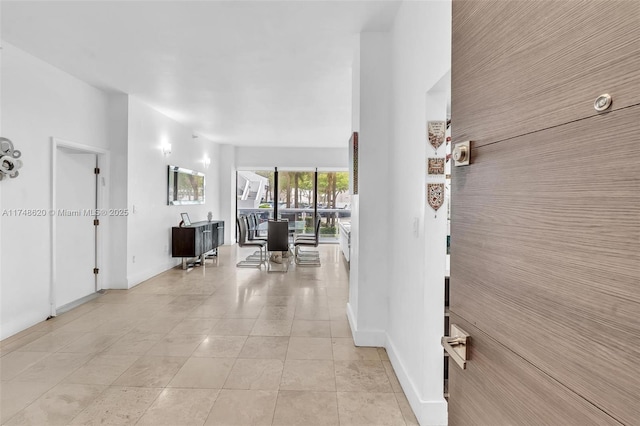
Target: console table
column 196, row 240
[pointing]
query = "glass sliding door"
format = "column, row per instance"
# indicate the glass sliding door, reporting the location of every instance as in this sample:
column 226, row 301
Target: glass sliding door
column 334, row 204
column 294, row 198
column 255, row 194
column 296, row 193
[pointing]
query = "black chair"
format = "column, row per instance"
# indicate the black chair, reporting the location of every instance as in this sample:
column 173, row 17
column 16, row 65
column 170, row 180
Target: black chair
column 256, row 221
column 290, row 216
column 256, row 255
column 313, row 236
column 278, row 241
column 253, row 233
column 308, row 258
column 241, row 223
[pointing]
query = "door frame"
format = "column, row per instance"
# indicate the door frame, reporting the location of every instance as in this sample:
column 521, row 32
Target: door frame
column 103, row 159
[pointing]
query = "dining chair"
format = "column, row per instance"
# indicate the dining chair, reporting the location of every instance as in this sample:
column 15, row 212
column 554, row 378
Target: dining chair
column 278, row 241
column 315, row 233
column 310, row 257
column 241, row 223
column 254, row 233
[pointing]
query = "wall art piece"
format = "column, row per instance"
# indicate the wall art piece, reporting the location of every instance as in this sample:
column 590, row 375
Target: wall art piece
column 353, row 154
column 9, row 163
column 435, row 195
column 436, row 133
column 435, row 166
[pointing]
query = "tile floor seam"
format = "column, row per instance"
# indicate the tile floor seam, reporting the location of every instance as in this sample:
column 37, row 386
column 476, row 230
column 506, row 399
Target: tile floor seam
column 89, row 404
column 312, row 299
column 30, row 403
column 212, row 405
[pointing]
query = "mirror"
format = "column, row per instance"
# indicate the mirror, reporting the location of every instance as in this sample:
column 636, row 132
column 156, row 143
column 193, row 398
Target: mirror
column 185, row 186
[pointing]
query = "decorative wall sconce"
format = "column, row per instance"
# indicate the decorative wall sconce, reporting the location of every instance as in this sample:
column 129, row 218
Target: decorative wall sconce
column 207, row 162
column 9, row 163
column 166, row 149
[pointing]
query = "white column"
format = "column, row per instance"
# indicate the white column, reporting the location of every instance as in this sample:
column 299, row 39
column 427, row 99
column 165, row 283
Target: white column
column 370, row 268
column 118, row 191
column 228, row 191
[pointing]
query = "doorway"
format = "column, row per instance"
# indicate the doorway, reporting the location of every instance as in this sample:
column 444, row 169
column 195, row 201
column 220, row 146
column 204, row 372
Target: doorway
column 76, row 219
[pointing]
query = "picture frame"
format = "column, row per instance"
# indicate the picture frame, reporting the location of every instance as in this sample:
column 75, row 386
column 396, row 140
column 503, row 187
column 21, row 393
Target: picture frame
column 353, row 163
column 185, row 219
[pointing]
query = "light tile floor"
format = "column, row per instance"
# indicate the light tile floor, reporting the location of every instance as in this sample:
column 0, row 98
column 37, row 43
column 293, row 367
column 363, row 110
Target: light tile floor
column 213, row 345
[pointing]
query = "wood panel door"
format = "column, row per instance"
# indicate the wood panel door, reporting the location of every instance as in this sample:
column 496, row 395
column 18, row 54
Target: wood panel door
column 545, row 234
column 532, row 65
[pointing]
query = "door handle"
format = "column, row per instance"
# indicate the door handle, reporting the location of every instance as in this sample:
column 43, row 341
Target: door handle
column 457, row 346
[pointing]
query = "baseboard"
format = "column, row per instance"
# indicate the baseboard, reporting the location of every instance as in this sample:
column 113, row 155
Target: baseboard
column 428, row 413
column 26, row 320
column 375, row 338
column 136, row 279
column 119, row 285
column 69, row 306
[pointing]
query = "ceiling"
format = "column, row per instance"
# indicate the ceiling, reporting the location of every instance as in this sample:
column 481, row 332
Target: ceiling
column 253, row 73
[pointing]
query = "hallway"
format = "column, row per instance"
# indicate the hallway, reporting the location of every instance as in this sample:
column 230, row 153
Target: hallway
column 217, row 345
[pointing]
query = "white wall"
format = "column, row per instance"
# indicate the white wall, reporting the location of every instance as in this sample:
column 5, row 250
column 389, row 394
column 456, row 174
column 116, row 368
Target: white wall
column 354, row 255
column 1, row 206
column 421, row 49
column 116, row 259
column 369, row 273
column 256, row 158
column 228, row 191
column 150, row 218
column 398, row 260
column 355, row 85
column 38, row 102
